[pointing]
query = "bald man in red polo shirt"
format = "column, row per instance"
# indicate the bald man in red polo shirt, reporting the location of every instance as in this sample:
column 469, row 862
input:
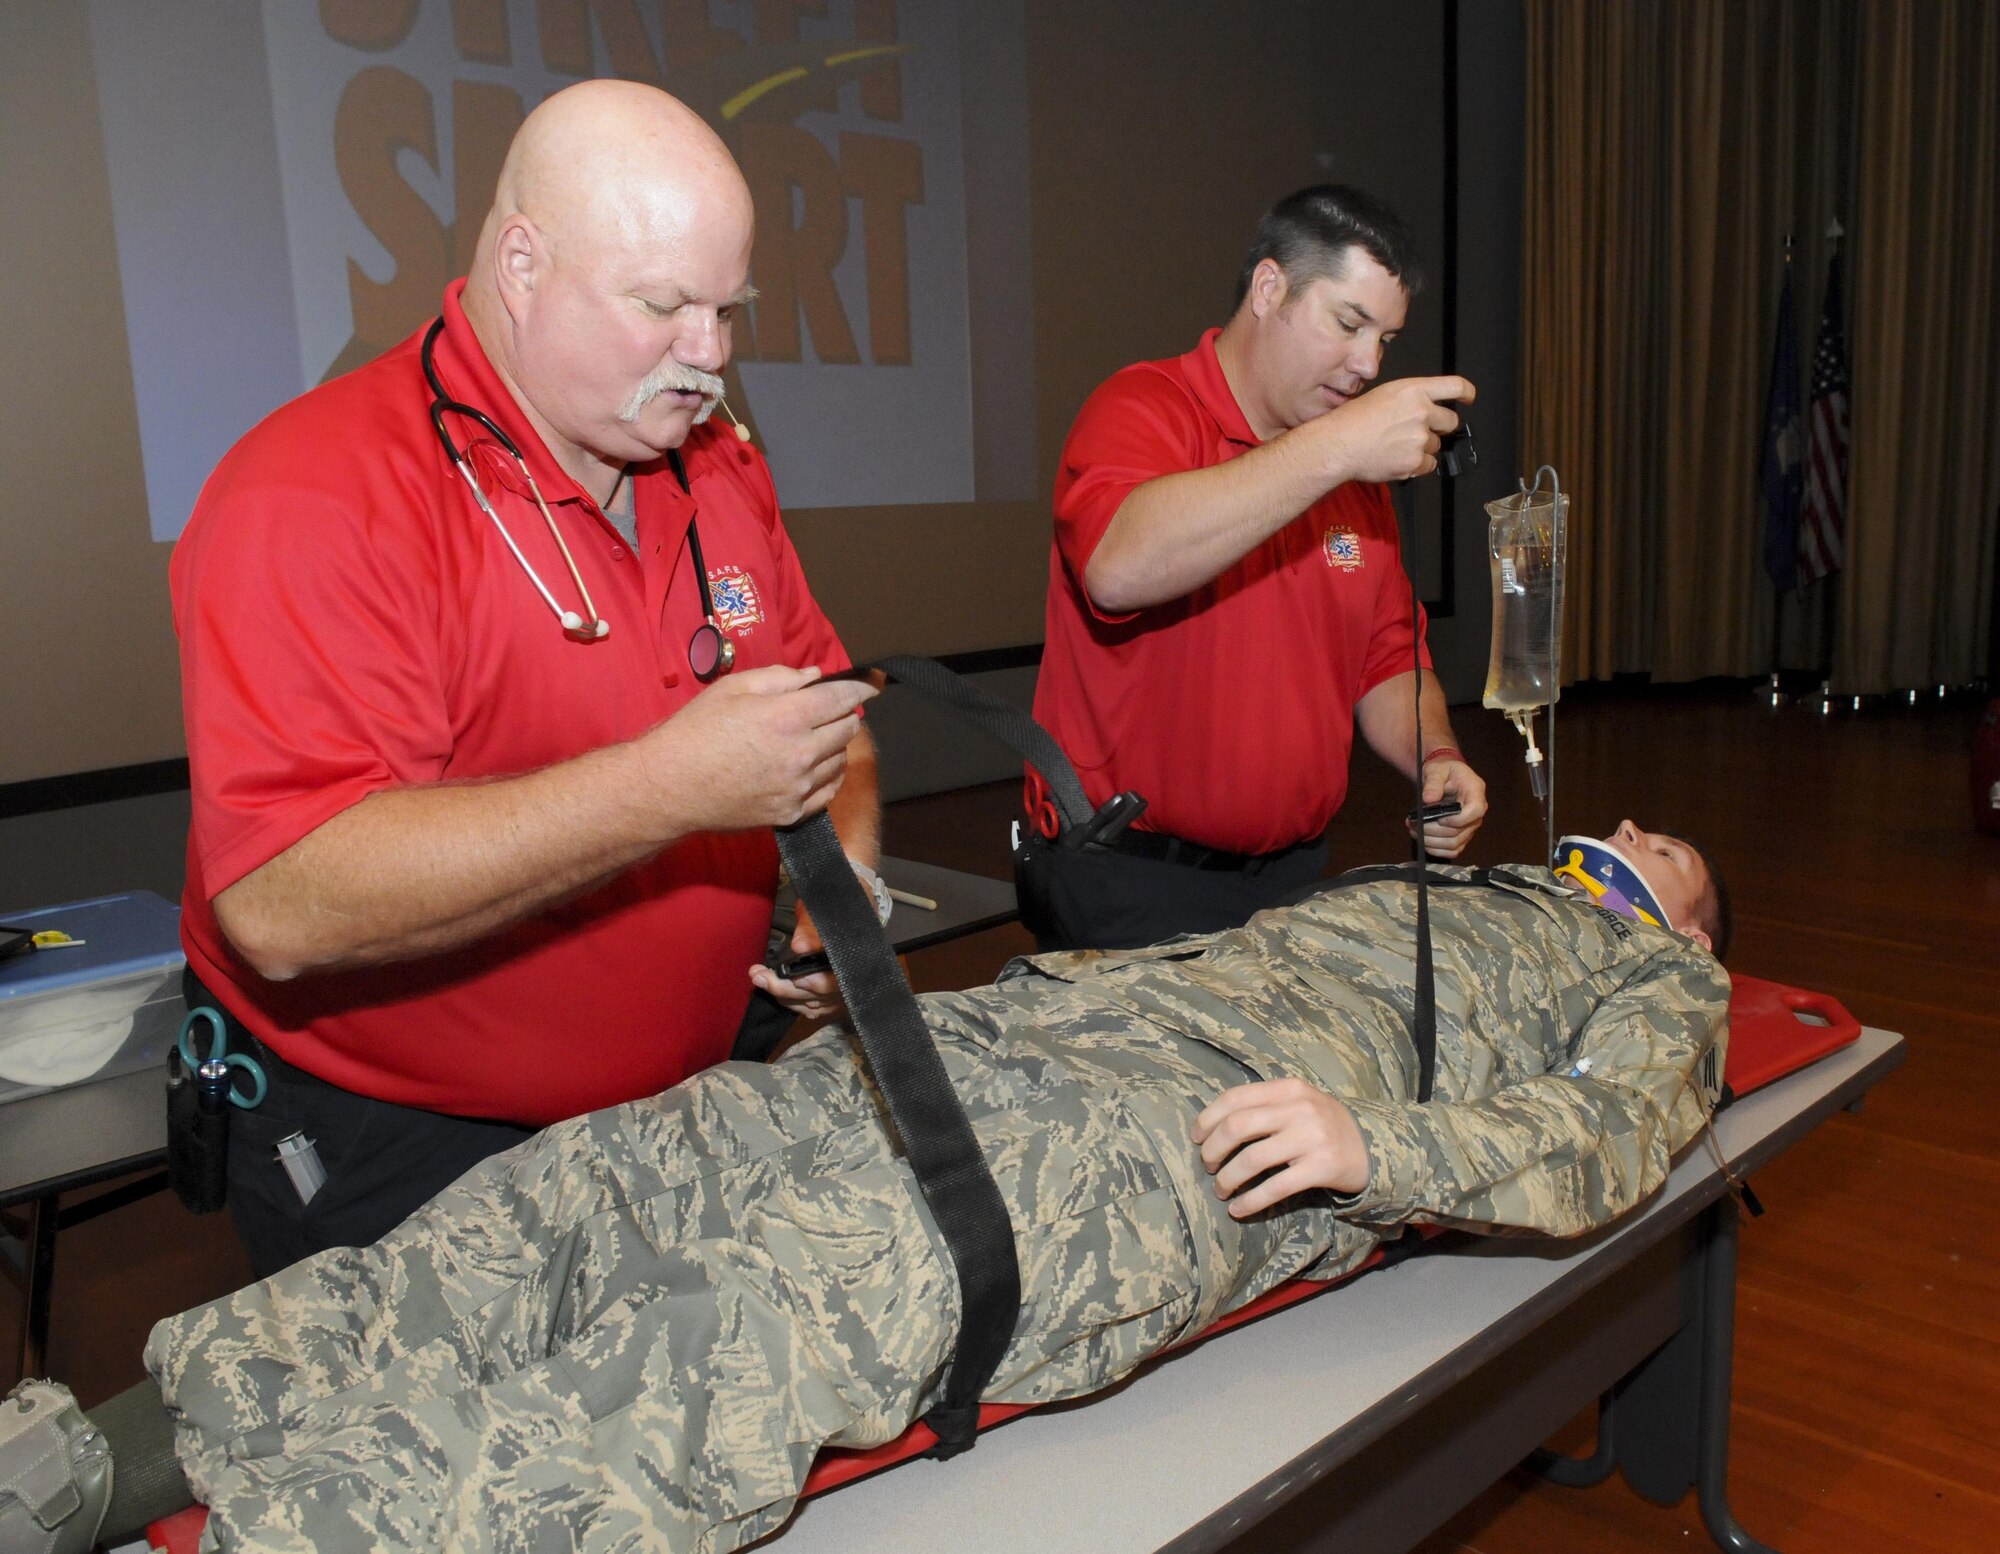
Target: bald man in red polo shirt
column 463, row 862
column 1226, row 600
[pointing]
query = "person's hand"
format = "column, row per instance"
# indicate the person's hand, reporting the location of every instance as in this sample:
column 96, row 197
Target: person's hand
column 1293, row 1130
column 812, row 997
column 1394, row 430
column 1448, row 777
column 765, row 747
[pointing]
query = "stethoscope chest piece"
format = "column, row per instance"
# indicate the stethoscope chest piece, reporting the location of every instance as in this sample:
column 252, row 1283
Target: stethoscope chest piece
column 710, row 653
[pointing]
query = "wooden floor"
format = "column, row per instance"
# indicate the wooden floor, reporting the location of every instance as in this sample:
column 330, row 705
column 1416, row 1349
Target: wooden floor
column 1867, row 1384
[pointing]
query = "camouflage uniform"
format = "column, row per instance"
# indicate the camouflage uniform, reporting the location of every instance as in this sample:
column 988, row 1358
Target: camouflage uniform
column 636, row 1329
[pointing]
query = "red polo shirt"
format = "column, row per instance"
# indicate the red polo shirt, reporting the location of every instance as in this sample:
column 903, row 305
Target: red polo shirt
column 1230, row 710
column 350, row 621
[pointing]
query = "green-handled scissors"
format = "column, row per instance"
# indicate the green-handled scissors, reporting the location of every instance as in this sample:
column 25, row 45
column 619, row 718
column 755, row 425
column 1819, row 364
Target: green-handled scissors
column 219, row 1052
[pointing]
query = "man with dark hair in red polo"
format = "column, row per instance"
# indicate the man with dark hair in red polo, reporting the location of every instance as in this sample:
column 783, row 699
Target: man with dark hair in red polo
column 1226, row 599
column 474, row 849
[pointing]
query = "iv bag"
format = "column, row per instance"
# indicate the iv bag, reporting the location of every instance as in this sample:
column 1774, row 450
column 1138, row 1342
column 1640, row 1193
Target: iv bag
column 1527, row 546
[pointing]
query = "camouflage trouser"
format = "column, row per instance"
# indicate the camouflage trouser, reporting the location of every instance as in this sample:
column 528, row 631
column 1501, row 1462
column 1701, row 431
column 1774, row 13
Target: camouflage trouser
column 636, row 1329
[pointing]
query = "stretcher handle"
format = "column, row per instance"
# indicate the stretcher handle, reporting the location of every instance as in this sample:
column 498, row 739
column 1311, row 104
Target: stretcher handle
column 1802, row 1001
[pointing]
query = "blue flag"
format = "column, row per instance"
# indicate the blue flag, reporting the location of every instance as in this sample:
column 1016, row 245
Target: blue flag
column 1781, row 481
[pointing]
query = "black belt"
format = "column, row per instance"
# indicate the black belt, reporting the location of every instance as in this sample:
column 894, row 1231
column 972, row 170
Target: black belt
column 1163, row 848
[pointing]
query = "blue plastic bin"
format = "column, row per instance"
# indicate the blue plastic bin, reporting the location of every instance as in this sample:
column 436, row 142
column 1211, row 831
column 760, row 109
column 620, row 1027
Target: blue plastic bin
column 105, row 1007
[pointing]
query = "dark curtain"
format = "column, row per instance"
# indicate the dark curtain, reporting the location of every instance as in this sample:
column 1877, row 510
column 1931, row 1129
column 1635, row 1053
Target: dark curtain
column 1672, row 145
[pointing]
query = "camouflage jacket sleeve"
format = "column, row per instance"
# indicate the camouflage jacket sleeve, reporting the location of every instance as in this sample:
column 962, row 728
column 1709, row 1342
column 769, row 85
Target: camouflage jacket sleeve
column 1562, row 1152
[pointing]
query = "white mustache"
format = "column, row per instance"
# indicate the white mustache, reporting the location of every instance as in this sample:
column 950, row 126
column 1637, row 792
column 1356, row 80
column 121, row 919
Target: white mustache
column 675, row 376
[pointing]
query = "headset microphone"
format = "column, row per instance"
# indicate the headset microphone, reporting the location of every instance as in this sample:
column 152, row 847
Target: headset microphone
column 742, row 431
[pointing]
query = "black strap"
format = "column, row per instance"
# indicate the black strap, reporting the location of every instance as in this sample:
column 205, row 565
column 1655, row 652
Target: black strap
column 1004, row 721
column 1425, row 1030
column 1370, row 873
column 936, row 1135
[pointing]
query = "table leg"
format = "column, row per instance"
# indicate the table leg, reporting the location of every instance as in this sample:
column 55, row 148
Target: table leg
column 40, row 1246
column 1718, row 1276
column 1658, row 1402
column 1582, row 1472
column 1672, row 1409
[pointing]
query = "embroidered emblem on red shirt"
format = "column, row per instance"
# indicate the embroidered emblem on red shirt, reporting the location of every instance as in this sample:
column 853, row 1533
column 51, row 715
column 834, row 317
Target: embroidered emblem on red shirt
column 1343, row 549
column 739, row 609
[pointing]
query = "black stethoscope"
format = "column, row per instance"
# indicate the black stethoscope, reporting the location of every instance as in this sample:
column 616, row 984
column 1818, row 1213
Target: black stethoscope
column 710, row 653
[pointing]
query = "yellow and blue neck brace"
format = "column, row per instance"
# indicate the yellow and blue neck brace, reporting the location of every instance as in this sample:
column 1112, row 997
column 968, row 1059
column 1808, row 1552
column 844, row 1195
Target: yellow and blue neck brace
column 1606, row 875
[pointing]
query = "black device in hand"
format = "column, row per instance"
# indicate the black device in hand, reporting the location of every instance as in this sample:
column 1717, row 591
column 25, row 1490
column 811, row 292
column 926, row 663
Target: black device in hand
column 1423, row 815
column 1456, row 454
column 807, row 965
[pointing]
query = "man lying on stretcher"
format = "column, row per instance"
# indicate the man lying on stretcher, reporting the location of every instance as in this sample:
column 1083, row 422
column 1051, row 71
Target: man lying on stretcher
column 638, row 1328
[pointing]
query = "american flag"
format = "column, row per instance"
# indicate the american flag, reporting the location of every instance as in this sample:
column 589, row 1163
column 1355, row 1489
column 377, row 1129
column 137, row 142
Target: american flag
column 1823, row 518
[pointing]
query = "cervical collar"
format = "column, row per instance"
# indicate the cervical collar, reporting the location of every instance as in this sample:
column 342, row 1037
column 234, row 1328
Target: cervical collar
column 1608, row 877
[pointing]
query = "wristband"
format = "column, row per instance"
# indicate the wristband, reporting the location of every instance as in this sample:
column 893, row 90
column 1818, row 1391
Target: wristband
column 1443, row 751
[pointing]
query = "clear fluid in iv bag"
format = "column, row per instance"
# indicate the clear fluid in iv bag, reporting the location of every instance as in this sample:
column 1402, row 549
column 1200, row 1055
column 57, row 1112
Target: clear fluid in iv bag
column 1526, row 548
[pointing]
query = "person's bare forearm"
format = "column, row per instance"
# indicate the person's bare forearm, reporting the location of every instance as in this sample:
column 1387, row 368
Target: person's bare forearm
column 1388, row 721
column 856, row 810
column 410, row 872
column 1179, row 531
column 1173, row 534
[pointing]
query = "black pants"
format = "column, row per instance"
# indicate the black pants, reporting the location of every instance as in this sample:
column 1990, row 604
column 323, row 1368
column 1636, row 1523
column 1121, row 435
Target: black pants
column 382, row 1161
column 1099, row 900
